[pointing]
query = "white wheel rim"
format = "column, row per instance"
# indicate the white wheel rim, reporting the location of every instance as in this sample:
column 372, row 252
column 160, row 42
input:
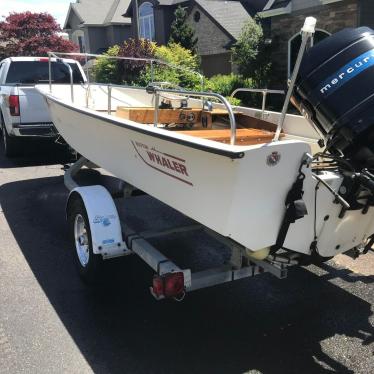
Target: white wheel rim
column 81, row 240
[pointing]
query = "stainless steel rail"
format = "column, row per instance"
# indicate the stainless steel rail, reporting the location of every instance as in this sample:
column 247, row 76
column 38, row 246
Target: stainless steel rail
column 307, row 32
column 71, row 78
column 167, row 84
column 109, row 100
column 150, row 61
column 223, row 100
column 155, row 89
column 264, row 92
column 61, row 61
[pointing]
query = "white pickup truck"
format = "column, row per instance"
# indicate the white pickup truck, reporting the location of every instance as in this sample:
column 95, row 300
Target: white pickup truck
column 23, row 111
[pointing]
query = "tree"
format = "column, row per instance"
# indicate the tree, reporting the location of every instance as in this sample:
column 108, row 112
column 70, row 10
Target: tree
column 130, row 70
column 251, row 54
column 181, row 32
column 31, row 34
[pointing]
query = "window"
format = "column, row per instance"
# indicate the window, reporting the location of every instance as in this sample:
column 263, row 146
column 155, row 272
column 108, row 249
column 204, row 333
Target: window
column 294, row 46
column 78, row 38
column 146, row 21
column 196, row 16
column 1, row 72
column 81, row 44
column 32, row 72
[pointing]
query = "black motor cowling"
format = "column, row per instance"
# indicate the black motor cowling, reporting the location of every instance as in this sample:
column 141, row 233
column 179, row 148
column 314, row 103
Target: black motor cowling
column 335, row 87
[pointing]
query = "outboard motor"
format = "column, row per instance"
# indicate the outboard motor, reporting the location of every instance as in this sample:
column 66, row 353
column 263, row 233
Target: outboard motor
column 335, row 90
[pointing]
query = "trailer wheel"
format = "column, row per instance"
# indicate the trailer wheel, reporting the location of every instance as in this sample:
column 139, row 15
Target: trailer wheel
column 11, row 144
column 89, row 264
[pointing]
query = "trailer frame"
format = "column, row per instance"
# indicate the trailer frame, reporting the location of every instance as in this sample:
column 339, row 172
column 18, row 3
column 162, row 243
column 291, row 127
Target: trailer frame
column 127, row 241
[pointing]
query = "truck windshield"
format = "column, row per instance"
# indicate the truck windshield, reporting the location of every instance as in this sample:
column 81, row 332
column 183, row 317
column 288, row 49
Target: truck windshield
column 33, row 72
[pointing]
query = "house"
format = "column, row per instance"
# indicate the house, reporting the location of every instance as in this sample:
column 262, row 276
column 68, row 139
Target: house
column 217, row 26
column 95, row 25
column 286, row 17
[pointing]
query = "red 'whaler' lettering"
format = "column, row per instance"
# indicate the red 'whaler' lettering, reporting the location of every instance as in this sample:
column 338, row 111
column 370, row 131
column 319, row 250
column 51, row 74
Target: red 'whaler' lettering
column 165, row 162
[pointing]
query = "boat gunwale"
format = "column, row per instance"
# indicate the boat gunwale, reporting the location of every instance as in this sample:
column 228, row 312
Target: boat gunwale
column 188, row 143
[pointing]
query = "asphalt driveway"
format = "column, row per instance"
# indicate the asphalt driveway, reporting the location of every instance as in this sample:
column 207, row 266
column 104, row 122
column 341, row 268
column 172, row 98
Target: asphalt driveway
column 318, row 320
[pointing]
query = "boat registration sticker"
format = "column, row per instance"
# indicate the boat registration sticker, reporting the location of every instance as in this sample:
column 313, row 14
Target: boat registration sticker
column 165, row 163
column 273, row 159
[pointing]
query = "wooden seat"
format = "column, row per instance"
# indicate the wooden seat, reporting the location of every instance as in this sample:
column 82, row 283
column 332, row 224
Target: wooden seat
column 196, row 117
column 243, row 136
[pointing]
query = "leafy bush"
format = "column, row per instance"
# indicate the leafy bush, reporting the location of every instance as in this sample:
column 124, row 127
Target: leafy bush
column 226, row 84
column 139, row 72
column 105, row 69
column 124, row 71
column 234, row 101
column 177, row 57
column 130, row 70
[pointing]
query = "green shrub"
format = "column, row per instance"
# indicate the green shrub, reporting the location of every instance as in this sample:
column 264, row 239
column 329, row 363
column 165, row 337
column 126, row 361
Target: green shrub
column 177, row 57
column 124, row 71
column 130, row 71
column 139, row 73
column 106, row 70
column 226, row 84
column 234, row 101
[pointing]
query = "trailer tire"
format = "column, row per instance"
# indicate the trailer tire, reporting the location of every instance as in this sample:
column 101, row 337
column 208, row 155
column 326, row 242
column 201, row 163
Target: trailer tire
column 11, row 144
column 89, row 264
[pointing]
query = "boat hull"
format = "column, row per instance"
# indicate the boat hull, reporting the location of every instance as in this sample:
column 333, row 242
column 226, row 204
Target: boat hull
column 237, row 191
column 232, row 196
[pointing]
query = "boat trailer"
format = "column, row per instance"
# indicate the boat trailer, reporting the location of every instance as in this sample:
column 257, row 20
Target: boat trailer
column 108, row 236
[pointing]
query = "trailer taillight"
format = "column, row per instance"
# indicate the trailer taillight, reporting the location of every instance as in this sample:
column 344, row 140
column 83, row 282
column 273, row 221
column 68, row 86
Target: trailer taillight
column 43, row 59
column 168, row 285
column 14, row 105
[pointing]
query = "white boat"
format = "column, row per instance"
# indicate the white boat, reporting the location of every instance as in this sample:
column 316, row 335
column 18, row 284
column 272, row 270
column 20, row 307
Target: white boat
column 225, row 168
column 236, row 190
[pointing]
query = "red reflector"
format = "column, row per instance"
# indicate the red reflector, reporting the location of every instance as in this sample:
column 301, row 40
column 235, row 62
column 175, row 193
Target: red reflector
column 44, row 59
column 168, row 285
column 158, row 286
column 174, row 284
column 14, row 105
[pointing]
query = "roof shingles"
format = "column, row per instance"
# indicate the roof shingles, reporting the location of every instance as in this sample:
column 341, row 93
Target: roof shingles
column 231, row 15
column 101, row 12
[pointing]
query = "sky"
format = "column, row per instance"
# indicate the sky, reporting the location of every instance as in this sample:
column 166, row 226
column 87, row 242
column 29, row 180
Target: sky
column 58, row 8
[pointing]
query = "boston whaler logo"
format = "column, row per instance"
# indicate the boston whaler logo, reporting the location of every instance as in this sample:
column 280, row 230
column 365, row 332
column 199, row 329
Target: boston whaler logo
column 347, row 72
column 165, row 163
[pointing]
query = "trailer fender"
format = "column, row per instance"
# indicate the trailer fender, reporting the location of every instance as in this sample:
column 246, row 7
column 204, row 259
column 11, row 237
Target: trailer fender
column 103, row 218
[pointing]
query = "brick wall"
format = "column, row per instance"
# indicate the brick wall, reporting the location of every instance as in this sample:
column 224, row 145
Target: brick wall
column 211, row 38
column 331, row 18
column 211, row 45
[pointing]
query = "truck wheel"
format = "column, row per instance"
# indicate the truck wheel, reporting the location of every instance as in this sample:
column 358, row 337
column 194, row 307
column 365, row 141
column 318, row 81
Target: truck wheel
column 89, row 264
column 11, row 145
